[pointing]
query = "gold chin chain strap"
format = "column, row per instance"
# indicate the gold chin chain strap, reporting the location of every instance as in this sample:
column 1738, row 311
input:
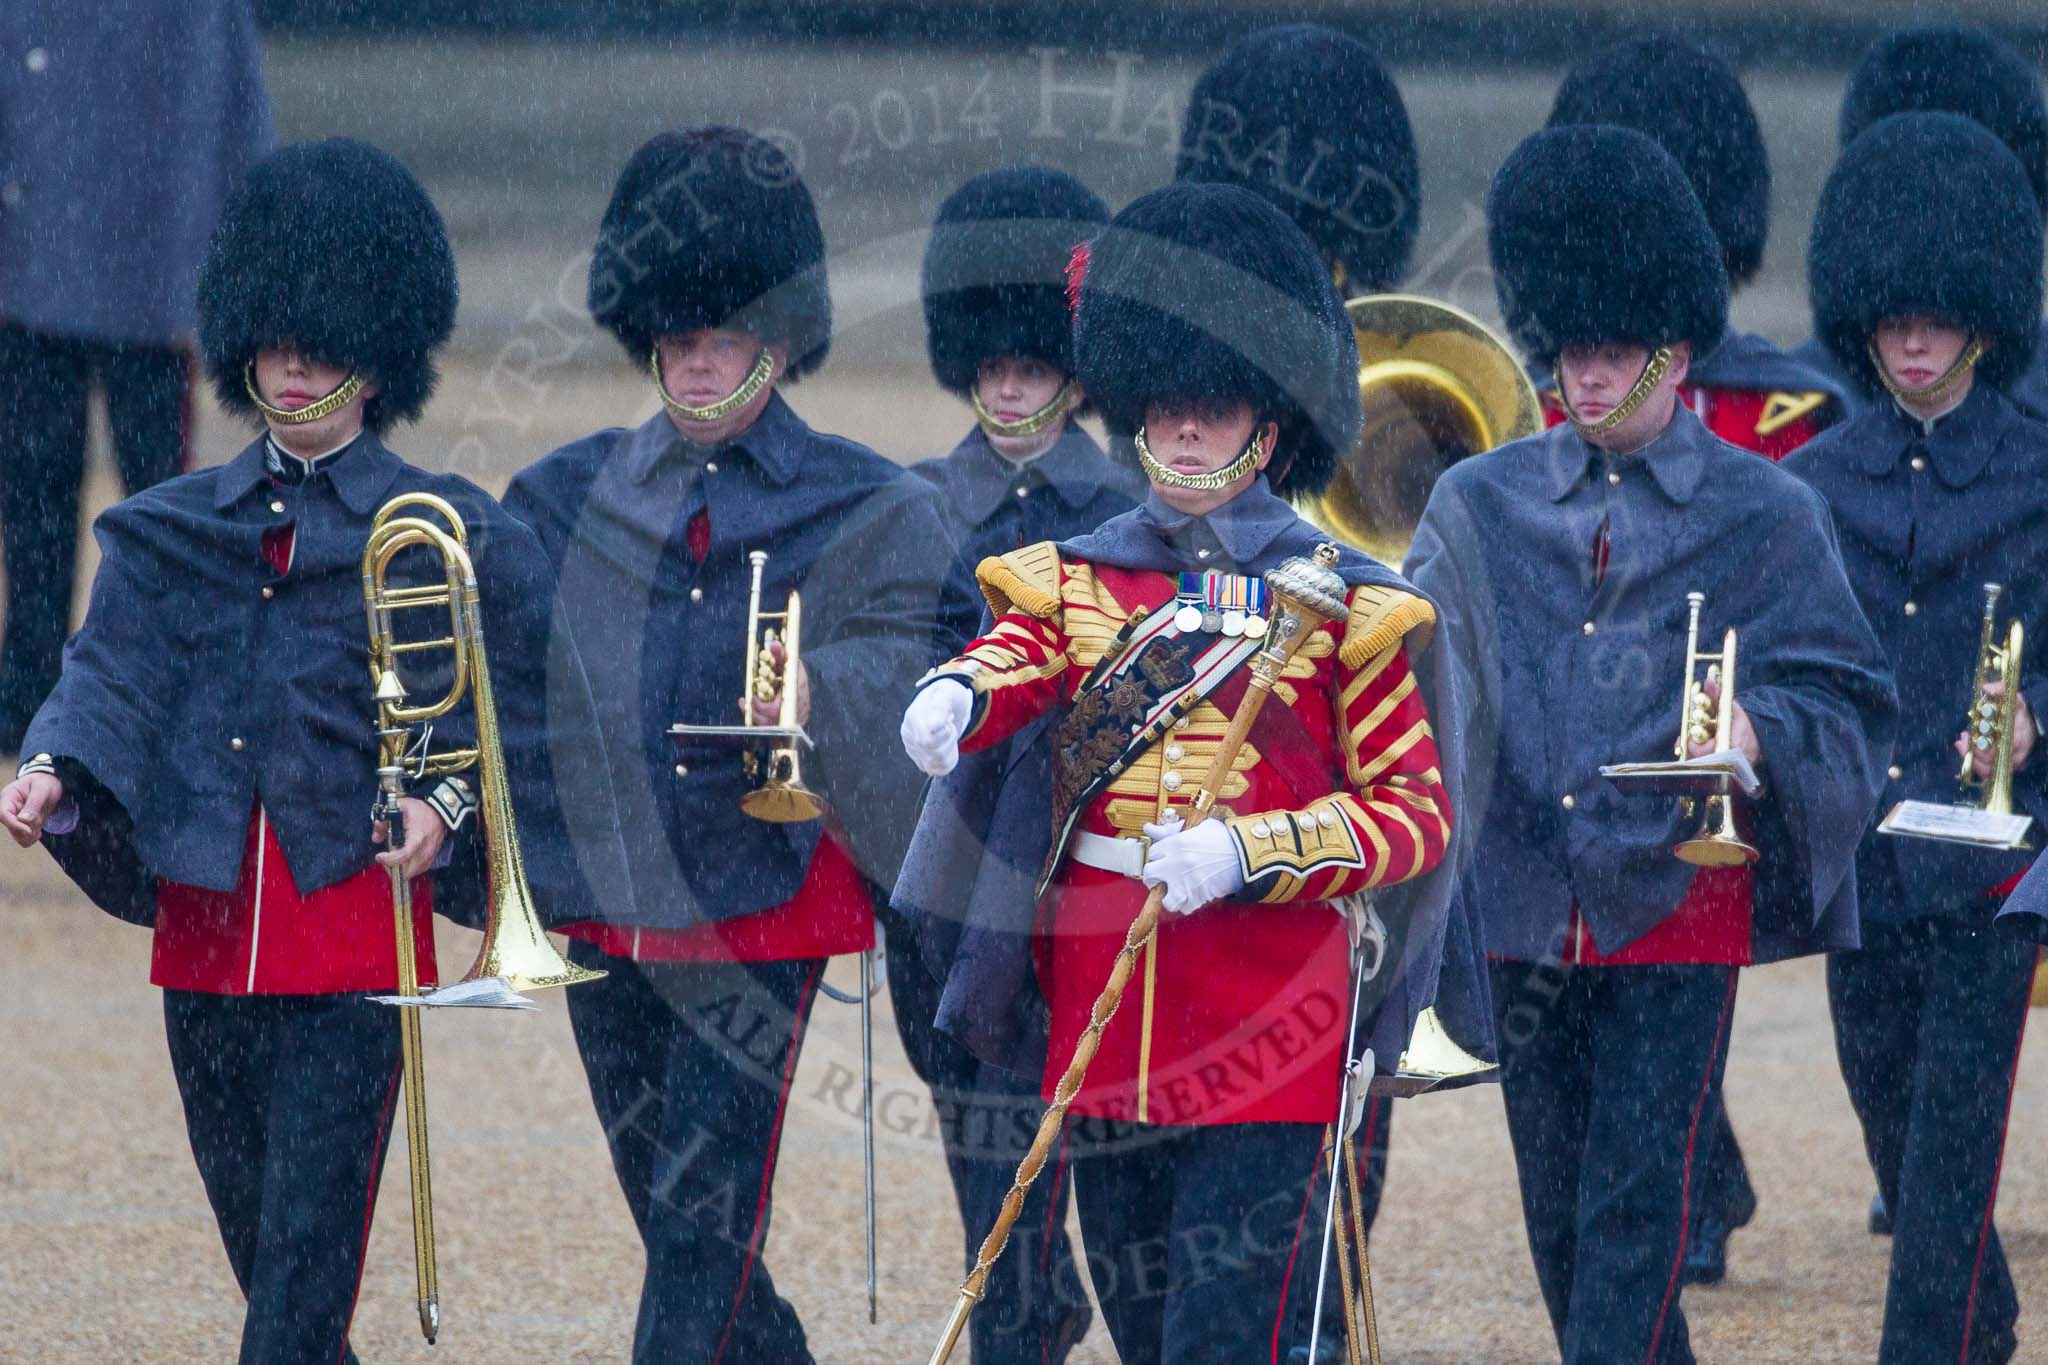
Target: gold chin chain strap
column 1928, row 393
column 1646, row 384
column 312, row 412
column 1062, row 402
column 750, row 388
column 1214, row 479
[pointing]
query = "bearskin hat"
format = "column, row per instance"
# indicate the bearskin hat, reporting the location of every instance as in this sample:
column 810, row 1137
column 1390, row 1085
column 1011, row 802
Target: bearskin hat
column 1308, row 118
column 1953, row 69
column 712, row 227
column 1693, row 105
column 1596, row 236
column 1927, row 214
column 995, row 267
column 1208, row 291
column 334, row 247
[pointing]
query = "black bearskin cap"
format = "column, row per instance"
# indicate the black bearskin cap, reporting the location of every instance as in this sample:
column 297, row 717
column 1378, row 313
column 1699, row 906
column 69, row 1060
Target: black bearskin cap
column 1927, row 213
column 712, row 227
column 1308, row 118
column 1692, row 103
column 1595, row 237
column 995, row 270
column 1953, row 69
column 334, row 247
column 1208, row 291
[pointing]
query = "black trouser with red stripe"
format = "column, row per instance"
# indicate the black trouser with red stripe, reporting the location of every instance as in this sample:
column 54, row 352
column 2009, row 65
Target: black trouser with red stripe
column 690, row 1067
column 1928, row 1018
column 44, row 383
column 1605, row 1072
column 1201, row 1241
column 288, row 1103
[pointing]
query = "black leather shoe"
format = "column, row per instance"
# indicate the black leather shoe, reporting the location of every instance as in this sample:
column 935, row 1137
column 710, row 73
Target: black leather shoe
column 1880, row 1216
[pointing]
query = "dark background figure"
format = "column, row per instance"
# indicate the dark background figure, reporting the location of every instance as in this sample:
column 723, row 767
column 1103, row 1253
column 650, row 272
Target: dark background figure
column 122, row 130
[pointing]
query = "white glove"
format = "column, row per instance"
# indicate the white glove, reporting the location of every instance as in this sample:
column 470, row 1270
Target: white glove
column 1196, row 866
column 933, row 723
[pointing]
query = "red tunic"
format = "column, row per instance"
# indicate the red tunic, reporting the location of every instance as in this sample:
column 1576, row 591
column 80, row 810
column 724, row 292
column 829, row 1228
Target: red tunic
column 1237, row 1012
column 830, row 914
column 265, row 937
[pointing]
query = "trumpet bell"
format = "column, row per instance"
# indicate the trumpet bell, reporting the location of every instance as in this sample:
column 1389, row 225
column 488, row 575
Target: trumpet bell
column 1716, row 850
column 1437, row 386
column 781, row 804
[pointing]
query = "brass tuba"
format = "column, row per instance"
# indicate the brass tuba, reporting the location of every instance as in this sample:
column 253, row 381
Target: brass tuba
column 1437, row 385
column 515, row 948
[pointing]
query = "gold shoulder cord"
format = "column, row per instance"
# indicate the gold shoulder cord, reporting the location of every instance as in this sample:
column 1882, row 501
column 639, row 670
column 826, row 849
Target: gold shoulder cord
column 750, row 388
column 334, row 402
column 1646, row 384
column 1214, row 479
column 1029, row 425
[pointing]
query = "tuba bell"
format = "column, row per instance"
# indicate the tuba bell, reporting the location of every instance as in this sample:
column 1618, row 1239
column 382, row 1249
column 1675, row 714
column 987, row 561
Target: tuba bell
column 1437, row 385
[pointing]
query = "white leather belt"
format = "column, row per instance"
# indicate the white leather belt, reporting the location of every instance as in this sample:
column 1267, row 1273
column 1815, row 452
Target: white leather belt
column 1123, row 856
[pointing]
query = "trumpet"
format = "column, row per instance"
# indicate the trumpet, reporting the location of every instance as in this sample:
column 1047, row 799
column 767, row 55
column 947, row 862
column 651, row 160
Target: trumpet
column 772, row 754
column 1984, row 817
column 1989, row 729
column 782, row 798
column 515, row 948
column 1717, row 842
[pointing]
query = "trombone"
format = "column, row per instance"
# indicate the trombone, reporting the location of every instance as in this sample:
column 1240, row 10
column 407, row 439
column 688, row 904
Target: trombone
column 515, row 947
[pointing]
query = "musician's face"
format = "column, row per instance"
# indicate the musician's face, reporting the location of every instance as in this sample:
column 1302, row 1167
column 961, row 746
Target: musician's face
column 1917, row 350
column 1595, row 379
column 1198, row 436
column 290, row 379
column 1012, row 387
column 699, row 368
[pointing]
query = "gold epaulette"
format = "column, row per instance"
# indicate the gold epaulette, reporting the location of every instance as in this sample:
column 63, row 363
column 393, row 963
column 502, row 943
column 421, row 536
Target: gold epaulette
column 1781, row 409
column 1026, row 580
column 1382, row 617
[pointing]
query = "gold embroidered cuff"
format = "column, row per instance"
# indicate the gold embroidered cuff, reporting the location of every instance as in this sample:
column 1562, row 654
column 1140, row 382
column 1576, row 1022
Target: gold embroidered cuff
column 1295, row 844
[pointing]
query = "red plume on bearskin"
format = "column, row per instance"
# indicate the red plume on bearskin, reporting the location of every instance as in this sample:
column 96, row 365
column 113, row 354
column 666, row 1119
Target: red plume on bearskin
column 1077, row 270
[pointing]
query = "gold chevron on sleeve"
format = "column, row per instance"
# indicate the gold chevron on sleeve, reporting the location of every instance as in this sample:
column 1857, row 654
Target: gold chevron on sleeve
column 1381, row 617
column 1026, row 580
column 1782, row 409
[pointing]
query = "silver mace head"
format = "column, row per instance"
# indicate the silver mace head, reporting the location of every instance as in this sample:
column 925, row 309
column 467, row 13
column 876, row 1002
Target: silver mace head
column 1307, row 592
